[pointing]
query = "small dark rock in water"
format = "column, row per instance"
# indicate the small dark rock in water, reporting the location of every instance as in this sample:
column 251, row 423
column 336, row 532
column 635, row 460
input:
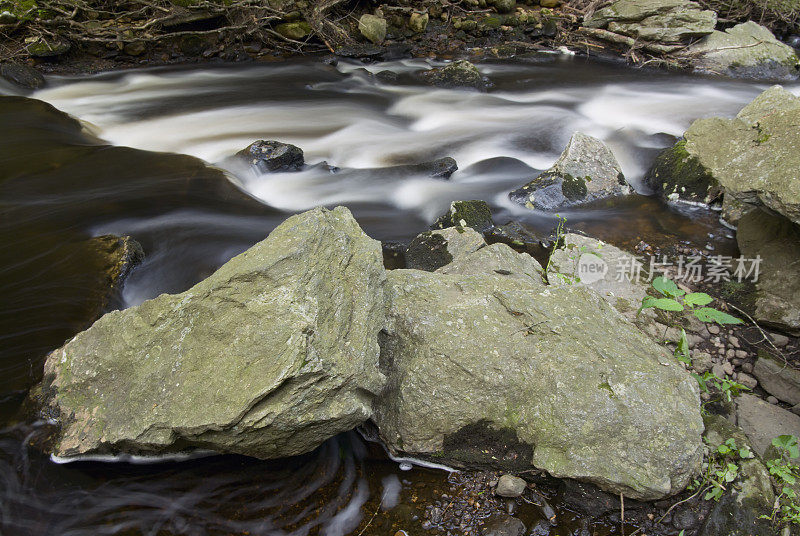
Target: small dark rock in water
column 457, row 74
column 504, row 525
column 361, row 51
column 588, row 499
column 793, row 41
column 442, row 168
column 270, row 156
column 475, row 214
column 22, row 75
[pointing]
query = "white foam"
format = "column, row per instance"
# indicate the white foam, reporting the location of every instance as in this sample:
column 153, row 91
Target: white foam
column 133, row 459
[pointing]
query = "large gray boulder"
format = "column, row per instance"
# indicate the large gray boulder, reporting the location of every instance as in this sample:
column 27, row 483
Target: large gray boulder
column 778, row 378
column 747, row 50
column 663, row 21
column 586, row 171
column 776, row 241
column 498, row 370
column 270, row 356
column 751, row 159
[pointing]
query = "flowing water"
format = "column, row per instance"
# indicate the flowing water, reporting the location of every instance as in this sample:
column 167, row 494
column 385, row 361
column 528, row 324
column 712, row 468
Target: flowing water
column 62, row 182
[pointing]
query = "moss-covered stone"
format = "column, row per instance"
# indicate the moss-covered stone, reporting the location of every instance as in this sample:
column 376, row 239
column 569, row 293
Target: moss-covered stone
column 457, row 74
column 678, row 174
column 294, row 30
column 475, row 214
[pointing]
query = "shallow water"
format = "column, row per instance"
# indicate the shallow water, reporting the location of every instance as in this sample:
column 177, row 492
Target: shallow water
column 61, row 185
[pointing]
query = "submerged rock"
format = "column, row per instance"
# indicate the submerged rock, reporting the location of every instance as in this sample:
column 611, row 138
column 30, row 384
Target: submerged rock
column 586, row 171
column 271, row 156
column 475, row 214
column 270, row 356
column 22, row 75
column 489, row 369
column 455, row 75
column 663, row 21
column 747, row 50
column 776, row 241
column 751, row 159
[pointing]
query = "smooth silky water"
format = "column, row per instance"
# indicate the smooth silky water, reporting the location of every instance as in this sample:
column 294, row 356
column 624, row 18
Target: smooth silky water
column 63, row 182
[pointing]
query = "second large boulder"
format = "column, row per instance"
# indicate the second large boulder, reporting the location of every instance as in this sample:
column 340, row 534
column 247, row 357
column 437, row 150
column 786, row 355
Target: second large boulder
column 270, row 356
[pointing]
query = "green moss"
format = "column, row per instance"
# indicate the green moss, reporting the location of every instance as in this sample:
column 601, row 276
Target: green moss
column 607, row 387
column 492, row 22
column 476, row 214
column 573, row 188
column 676, row 171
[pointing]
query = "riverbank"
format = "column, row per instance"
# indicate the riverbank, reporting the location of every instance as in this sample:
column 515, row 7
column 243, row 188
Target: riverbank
column 69, row 38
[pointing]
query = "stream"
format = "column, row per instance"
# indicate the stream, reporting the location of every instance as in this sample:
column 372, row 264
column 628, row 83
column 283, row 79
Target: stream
column 62, row 183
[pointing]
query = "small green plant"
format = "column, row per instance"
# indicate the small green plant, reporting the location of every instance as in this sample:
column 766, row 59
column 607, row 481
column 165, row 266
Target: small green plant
column 786, row 474
column 673, row 299
column 721, row 470
column 557, row 244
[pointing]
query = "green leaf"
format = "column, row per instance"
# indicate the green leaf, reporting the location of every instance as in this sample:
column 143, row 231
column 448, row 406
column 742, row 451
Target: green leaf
column 697, row 298
column 667, row 287
column 709, row 314
column 789, row 444
column 701, row 380
column 682, row 351
column 665, row 304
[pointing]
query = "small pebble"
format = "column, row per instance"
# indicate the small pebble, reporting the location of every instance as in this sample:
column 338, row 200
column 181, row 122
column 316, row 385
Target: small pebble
column 734, row 341
column 747, row 380
column 772, row 400
column 741, row 354
column 731, row 353
column 736, row 361
column 713, row 329
column 728, row 368
column 747, row 367
column 779, row 340
column 718, row 371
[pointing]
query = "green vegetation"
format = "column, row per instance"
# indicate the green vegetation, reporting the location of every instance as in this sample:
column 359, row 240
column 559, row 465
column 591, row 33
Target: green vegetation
column 721, row 470
column 785, row 474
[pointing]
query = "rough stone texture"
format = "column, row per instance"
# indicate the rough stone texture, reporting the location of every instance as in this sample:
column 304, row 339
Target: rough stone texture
column 778, row 378
column 270, row 156
column 762, row 421
column 753, row 158
column 270, row 356
column 663, row 21
column 48, row 48
column 510, row 486
column 22, row 75
column 434, row 249
column 373, row 28
column 525, row 375
column 475, row 214
column 418, row 22
column 586, row 171
column 747, row 50
column 777, row 241
column 622, row 285
column 497, row 259
column 294, row 30
column 459, row 74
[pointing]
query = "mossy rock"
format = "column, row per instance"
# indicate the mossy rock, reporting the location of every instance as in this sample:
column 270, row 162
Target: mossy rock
column 475, row 214
column 48, row 48
column 677, row 173
column 294, row 30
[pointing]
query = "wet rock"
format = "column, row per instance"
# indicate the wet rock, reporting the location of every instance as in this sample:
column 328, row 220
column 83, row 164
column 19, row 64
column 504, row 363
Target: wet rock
column 520, row 238
column 373, row 28
column 762, row 421
column 361, row 51
column 776, row 241
column 459, row 74
column 432, row 250
column 475, row 214
column 588, row 499
column 778, row 378
column 271, row 156
column 510, row 486
column 394, row 255
column 779, row 339
column 503, row 525
column 586, row 171
column 418, row 22
column 751, row 158
column 747, row 50
column 22, row 75
column 662, row 21
column 268, row 357
column 524, row 375
column 294, row 30
column 441, row 168
column 136, row 48
column 48, row 47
